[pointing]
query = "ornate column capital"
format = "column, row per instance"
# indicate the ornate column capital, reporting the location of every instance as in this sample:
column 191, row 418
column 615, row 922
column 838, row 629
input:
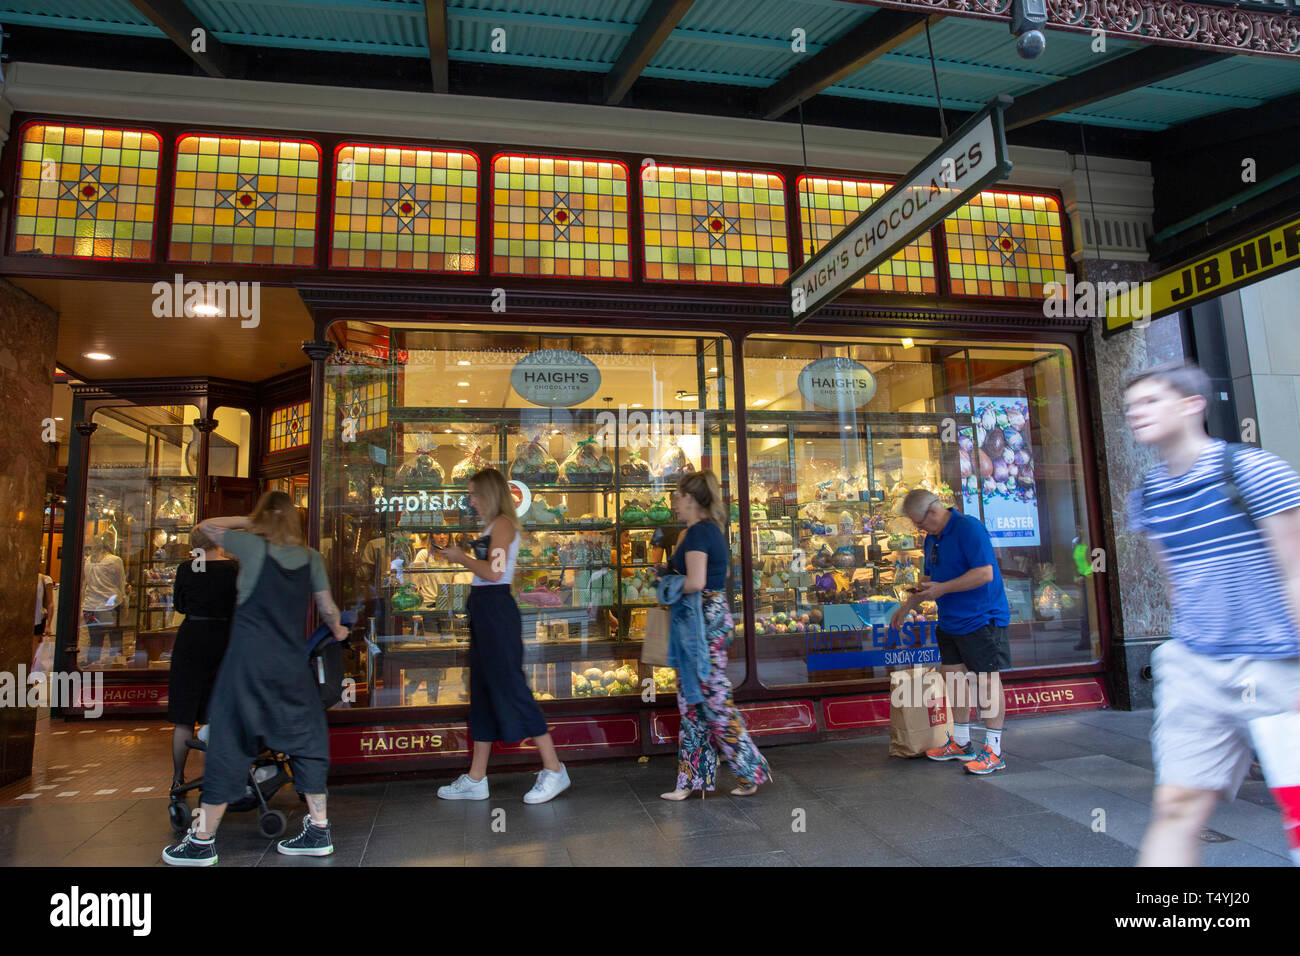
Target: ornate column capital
column 205, row 425
column 318, row 351
column 86, row 429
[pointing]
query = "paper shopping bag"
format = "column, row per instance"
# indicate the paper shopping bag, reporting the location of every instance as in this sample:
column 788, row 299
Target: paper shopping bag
column 654, row 649
column 1275, row 739
column 919, row 718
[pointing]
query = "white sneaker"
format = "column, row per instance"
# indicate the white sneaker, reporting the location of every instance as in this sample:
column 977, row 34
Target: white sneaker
column 550, row 784
column 463, row 788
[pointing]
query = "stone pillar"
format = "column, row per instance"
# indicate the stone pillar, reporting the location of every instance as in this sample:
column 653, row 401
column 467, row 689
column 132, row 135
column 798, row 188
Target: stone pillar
column 28, row 331
column 1139, row 607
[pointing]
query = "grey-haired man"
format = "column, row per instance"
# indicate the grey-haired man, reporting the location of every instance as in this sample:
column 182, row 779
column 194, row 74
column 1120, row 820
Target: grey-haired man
column 961, row 575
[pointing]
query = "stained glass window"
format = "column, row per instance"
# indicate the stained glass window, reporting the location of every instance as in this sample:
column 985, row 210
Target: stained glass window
column 1005, row 244
column 714, row 225
column 245, row 201
column 559, row 217
column 86, row 192
column 290, row 427
column 407, row 209
column 826, row 206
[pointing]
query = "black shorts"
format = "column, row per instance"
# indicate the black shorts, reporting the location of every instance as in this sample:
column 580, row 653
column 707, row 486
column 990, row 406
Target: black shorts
column 983, row 651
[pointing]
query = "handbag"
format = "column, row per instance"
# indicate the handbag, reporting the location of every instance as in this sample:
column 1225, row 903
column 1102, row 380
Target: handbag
column 654, row 648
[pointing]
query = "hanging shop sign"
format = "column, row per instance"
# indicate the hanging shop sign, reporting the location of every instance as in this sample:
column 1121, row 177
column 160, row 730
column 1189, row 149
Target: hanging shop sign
column 837, row 383
column 1209, row 277
column 555, row 378
column 960, row 167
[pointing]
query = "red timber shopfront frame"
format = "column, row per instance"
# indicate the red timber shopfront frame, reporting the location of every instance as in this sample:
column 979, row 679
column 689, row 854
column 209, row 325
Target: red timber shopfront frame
column 375, row 739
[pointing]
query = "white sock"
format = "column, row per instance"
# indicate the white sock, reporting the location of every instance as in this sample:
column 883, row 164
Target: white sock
column 323, row 824
column 994, row 739
column 961, row 734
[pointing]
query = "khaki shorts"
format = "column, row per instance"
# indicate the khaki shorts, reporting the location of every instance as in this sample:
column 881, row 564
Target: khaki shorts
column 1201, row 737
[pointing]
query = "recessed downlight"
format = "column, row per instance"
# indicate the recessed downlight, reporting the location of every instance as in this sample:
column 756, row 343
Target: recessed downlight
column 204, row 309
column 97, row 356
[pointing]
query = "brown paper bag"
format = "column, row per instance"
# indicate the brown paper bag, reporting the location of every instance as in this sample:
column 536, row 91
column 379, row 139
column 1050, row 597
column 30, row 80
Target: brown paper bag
column 919, row 718
column 654, row 649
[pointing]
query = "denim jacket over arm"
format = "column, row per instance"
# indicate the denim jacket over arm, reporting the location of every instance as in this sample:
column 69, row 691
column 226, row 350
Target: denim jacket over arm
column 688, row 650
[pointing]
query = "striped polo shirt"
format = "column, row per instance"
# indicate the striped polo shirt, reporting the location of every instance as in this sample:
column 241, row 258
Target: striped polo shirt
column 1229, row 596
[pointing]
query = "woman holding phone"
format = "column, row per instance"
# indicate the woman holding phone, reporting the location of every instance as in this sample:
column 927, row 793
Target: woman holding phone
column 501, row 705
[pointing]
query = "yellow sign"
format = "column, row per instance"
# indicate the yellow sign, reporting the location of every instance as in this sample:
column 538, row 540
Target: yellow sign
column 1183, row 286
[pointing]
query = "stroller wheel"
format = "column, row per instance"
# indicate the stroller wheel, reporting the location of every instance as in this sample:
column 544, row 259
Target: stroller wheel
column 180, row 816
column 272, row 823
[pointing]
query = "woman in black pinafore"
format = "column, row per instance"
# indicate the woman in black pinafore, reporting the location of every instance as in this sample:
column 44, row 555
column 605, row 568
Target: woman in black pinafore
column 266, row 694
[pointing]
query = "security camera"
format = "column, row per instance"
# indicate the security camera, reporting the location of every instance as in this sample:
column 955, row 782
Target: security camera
column 1027, row 20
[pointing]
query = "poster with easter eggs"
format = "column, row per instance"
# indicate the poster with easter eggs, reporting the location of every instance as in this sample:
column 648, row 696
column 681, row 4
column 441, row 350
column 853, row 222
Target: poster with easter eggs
column 997, row 462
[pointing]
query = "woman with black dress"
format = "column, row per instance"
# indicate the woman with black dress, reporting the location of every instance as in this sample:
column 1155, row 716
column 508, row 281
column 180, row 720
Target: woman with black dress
column 206, row 596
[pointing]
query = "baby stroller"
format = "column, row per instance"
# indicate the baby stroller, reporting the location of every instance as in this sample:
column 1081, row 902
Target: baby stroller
column 269, row 771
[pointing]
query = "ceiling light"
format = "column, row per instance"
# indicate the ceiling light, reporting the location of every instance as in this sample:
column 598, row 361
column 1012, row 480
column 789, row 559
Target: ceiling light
column 447, row 430
column 714, row 369
column 759, row 401
column 637, row 405
column 97, row 356
column 908, row 343
column 463, row 362
column 848, row 428
column 204, row 309
column 765, row 427
column 463, row 384
column 463, row 401
column 58, row 419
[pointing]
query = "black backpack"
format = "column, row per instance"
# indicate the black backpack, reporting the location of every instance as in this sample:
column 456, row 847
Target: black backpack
column 1230, row 489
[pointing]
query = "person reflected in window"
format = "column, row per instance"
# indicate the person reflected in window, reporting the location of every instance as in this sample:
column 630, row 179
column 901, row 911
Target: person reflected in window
column 103, row 593
column 712, row 725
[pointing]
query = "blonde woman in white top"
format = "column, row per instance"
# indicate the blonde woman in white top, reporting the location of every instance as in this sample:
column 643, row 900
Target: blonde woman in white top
column 501, row 704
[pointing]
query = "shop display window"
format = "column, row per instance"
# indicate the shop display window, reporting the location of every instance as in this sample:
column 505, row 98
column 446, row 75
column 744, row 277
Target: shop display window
column 1006, row 244
column 714, row 225
column 837, row 432
column 828, row 206
column 405, row 209
column 247, row 201
column 592, row 431
column 141, row 490
column 85, row 192
column 553, row 216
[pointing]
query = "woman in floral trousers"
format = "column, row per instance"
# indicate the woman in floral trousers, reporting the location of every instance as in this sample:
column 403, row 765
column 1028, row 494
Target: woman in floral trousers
column 713, row 725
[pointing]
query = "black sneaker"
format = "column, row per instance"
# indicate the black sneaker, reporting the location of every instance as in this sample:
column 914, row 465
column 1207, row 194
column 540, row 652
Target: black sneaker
column 191, row 851
column 312, row 841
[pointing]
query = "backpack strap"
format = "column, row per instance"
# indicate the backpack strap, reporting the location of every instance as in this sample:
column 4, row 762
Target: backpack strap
column 1230, row 489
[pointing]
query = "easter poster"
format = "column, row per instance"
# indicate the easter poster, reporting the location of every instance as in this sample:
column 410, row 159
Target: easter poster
column 997, row 462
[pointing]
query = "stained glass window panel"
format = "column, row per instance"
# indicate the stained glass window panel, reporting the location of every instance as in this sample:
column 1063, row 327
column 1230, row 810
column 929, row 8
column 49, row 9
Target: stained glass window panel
column 85, row 192
column 559, row 217
column 290, row 427
column 826, row 206
column 1005, row 245
column 406, row 209
column 714, row 225
column 245, row 201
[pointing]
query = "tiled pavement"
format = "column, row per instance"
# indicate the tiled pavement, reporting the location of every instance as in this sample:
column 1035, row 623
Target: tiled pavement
column 856, row 805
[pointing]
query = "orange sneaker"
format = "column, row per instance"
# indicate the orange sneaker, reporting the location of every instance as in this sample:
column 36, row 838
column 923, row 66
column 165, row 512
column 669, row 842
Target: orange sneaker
column 953, row 751
column 986, row 762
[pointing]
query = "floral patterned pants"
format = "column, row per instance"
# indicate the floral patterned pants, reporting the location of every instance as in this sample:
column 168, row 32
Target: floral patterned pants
column 714, row 726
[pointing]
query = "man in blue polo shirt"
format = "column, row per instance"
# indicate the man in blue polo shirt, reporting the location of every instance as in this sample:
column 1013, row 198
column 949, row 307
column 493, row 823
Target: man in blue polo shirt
column 961, row 575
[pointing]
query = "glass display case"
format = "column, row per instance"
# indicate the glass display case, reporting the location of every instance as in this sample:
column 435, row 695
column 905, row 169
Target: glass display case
column 838, row 432
column 141, row 505
column 141, row 500
column 592, row 482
